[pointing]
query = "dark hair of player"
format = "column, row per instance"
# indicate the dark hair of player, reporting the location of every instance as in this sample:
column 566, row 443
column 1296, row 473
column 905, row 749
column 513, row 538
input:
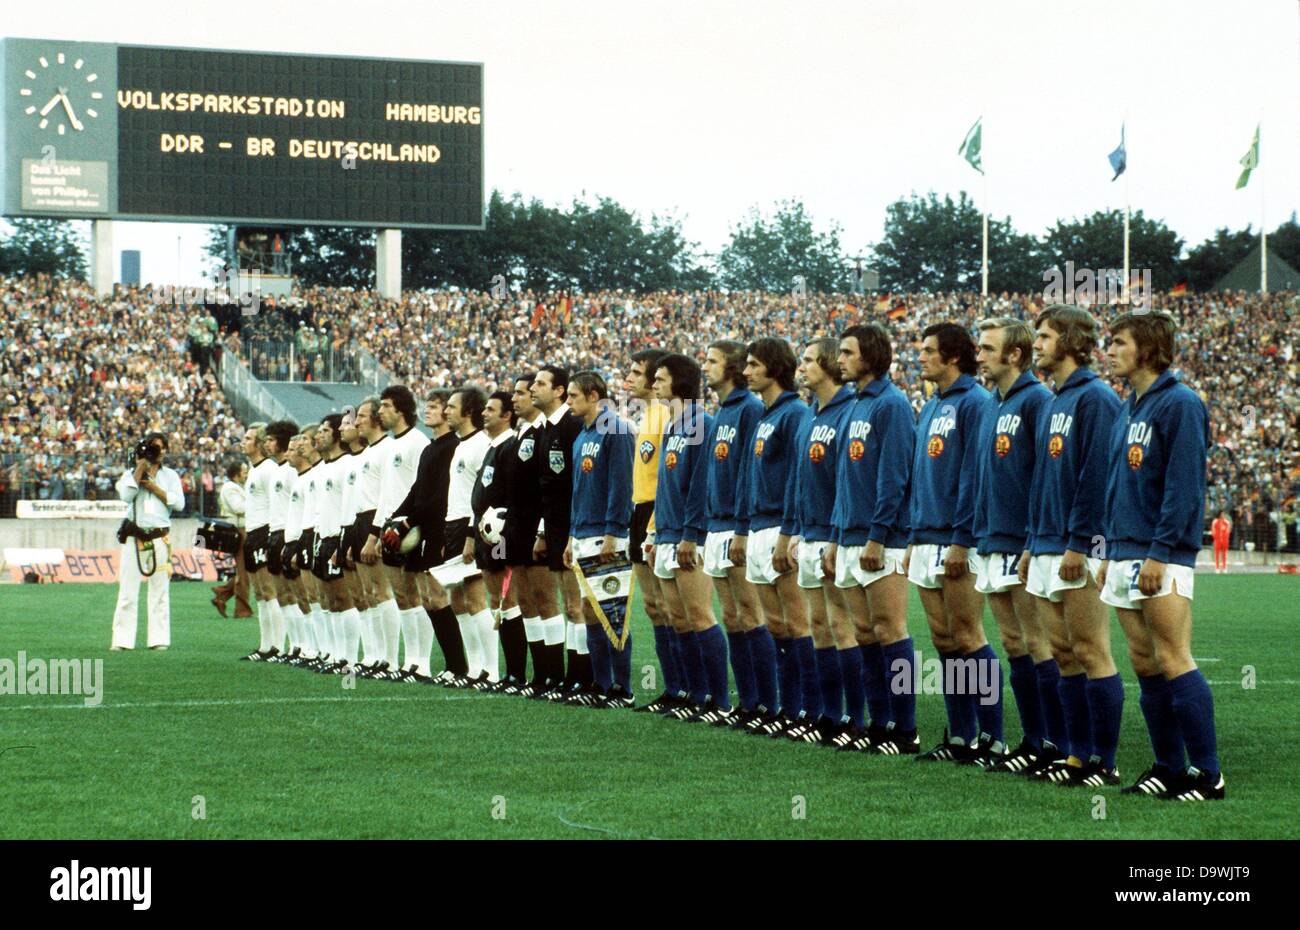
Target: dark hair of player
column 402, row 399
column 335, row 421
column 441, row 395
column 1076, row 328
column 233, row 467
column 507, row 405
column 650, row 358
column 559, row 377
column 955, row 345
column 776, row 356
column 1155, row 336
column 873, row 345
column 733, row 355
column 150, row 437
column 590, row 382
column 826, row 349
column 282, row 431
column 1016, row 334
column 472, row 402
column 527, row 377
column 684, row 373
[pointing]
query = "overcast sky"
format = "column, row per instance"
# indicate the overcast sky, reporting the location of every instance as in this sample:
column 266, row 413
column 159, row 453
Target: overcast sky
column 706, row 108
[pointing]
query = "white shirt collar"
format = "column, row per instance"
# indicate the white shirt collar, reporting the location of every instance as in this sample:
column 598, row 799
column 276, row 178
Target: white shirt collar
column 558, row 414
column 505, row 435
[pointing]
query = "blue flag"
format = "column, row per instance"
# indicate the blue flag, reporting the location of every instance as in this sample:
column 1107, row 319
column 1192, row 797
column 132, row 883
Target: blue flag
column 1119, row 157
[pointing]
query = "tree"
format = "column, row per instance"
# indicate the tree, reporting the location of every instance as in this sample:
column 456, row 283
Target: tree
column 935, row 245
column 1206, row 264
column 52, row 247
column 775, row 253
column 1097, row 242
column 1285, row 242
column 335, row 256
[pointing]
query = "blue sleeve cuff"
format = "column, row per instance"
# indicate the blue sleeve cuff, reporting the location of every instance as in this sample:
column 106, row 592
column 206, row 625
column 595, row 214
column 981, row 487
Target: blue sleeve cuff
column 1160, row 552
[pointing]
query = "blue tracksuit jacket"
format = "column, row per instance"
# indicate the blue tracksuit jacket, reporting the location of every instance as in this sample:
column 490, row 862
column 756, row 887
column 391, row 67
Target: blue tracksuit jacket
column 602, row 477
column 944, row 464
column 1006, row 465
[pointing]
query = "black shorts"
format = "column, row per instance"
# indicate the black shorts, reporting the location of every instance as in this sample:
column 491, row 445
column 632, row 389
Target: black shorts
column 454, row 535
column 557, row 538
column 485, row 559
column 255, row 545
column 345, row 544
column 287, row 568
column 307, row 550
column 275, row 549
column 641, row 514
column 360, row 532
column 519, row 536
column 324, row 569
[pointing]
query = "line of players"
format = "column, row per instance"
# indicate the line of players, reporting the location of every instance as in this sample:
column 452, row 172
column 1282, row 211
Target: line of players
column 807, row 522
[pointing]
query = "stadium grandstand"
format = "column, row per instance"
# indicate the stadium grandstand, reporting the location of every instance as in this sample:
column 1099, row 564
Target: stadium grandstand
column 75, row 369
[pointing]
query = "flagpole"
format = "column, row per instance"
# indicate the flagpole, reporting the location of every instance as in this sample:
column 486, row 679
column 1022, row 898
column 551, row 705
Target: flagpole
column 984, row 261
column 1128, row 206
column 1263, row 233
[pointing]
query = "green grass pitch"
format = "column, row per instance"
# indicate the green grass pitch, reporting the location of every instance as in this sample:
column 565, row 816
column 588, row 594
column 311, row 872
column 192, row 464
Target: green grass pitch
column 271, row 751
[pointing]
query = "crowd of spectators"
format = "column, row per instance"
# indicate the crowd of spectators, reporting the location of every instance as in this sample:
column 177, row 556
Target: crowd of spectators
column 81, row 378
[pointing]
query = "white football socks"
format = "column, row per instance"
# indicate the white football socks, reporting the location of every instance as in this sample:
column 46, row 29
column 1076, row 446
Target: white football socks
column 473, row 651
column 264, row 626
column 424, row 642
column 487, row 642
column 578, row 638
column 534, row 629
column 390, row 624
column 277, row 624
column 293, row 622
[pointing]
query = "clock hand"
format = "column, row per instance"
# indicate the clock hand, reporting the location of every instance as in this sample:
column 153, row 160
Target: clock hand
column 67, row 105
column 49, row 106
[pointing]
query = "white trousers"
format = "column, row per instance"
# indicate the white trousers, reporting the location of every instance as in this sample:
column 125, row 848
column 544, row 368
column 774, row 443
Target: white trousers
column 128, row 595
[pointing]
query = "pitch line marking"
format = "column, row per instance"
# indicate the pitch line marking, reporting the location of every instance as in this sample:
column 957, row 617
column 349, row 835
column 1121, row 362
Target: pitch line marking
column 231, row 702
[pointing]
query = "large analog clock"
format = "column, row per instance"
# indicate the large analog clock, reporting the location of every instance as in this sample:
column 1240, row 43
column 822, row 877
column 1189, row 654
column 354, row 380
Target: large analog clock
column 61, row 93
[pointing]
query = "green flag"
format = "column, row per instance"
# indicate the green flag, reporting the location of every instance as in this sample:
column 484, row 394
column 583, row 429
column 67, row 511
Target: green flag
column 1249, row 161
column 970, row 146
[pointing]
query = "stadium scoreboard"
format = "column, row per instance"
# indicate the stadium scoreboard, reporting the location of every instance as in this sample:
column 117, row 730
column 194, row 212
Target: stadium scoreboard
column 98, row 130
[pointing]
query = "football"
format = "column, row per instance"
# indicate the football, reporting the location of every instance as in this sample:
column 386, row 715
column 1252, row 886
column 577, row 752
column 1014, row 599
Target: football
column 492, row 525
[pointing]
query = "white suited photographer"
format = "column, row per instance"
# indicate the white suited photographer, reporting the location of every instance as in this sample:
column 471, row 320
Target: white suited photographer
column 153, row 492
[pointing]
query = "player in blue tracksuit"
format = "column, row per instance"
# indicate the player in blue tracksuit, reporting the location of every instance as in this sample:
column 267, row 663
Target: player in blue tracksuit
column 681, row 499
column 1006, row 468
column 773, row 520
column 942, row 515
column 870, row 524
column 750, row 643
column 1155, row 517
column 600, row 517
column 1065, row 544
column 822, row 716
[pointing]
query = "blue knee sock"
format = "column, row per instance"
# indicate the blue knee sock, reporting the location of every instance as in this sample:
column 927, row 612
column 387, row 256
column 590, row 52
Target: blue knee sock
column 713, row 652
column 679, row 662
column 855, row 693
column 1105, row 711
column 958, row 698
column 1194, row 707
column 602, row 670
column 1074, row 703
column 621, row 662
column 988, row 702
column 762, row 649
column 1048, row 674
column 667, row 661
column 742, row 667
column 1157, row 703
column 667, row 664
column 875, row 679
column 810, row 698
column 697, row 683
column 828, row 678
column 1024, row 685
column 787, row 668
column 899, row 660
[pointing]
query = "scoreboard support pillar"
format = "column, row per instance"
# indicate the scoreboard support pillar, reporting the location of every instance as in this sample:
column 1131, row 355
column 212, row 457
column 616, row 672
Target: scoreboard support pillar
column 388, row 263
column 101, row 252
